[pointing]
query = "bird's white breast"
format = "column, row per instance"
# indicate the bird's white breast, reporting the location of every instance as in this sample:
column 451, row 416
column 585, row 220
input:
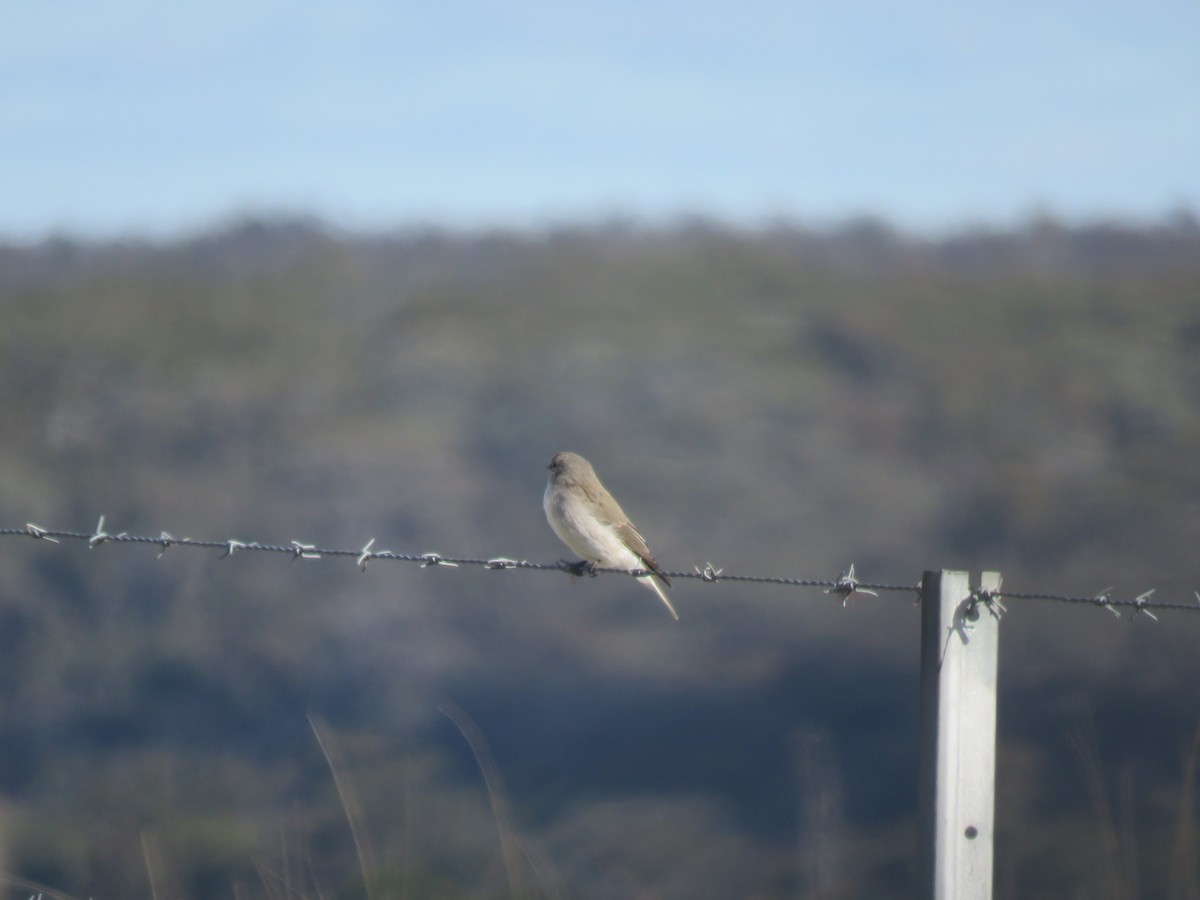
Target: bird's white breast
column 572, row 518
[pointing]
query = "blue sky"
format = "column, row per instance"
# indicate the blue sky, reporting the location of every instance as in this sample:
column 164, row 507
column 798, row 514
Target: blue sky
column 134, row 117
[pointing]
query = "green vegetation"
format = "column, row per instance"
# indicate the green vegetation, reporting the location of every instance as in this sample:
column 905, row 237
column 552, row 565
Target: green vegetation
column 780, row 402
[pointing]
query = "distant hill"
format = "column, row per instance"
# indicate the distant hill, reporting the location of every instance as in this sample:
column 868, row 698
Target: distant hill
column 783, row 401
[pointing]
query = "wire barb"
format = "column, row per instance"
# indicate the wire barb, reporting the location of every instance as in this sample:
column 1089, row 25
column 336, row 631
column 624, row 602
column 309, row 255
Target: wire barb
column 304, row 551
column 1142, row 602
column 164, row 541
column 989, row 598
column 39, row 533
column 232, row 547
column 709, row 573
column 436, row 559
column 365, row 555
column 848, row 584
column 503, row 562
column 1103, row 599
column 98, row 536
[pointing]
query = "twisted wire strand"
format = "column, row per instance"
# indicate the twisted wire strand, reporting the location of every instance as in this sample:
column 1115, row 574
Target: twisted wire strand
column 843, row 586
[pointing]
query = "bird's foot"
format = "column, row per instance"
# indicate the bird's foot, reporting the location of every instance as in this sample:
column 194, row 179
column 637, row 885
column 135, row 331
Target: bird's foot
column 580, row 568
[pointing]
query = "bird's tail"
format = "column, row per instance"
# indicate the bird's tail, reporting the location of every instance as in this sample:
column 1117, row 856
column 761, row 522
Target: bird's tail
column 649, row 581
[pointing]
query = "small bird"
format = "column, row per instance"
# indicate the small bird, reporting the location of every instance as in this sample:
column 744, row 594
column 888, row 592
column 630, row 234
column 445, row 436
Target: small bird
column 588, row 520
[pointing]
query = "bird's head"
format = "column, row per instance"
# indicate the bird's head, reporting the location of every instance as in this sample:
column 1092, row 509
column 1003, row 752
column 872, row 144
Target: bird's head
column 567, row 465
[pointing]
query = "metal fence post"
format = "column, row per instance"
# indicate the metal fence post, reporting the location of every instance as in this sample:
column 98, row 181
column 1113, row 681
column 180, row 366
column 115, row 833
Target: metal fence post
column 959, row 644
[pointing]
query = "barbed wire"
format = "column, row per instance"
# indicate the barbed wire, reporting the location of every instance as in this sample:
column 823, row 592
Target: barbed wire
column 845, row 585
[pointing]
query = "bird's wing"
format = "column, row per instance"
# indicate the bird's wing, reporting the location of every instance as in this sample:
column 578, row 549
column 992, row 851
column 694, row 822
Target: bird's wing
column 651, row 564
column 609, row 512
